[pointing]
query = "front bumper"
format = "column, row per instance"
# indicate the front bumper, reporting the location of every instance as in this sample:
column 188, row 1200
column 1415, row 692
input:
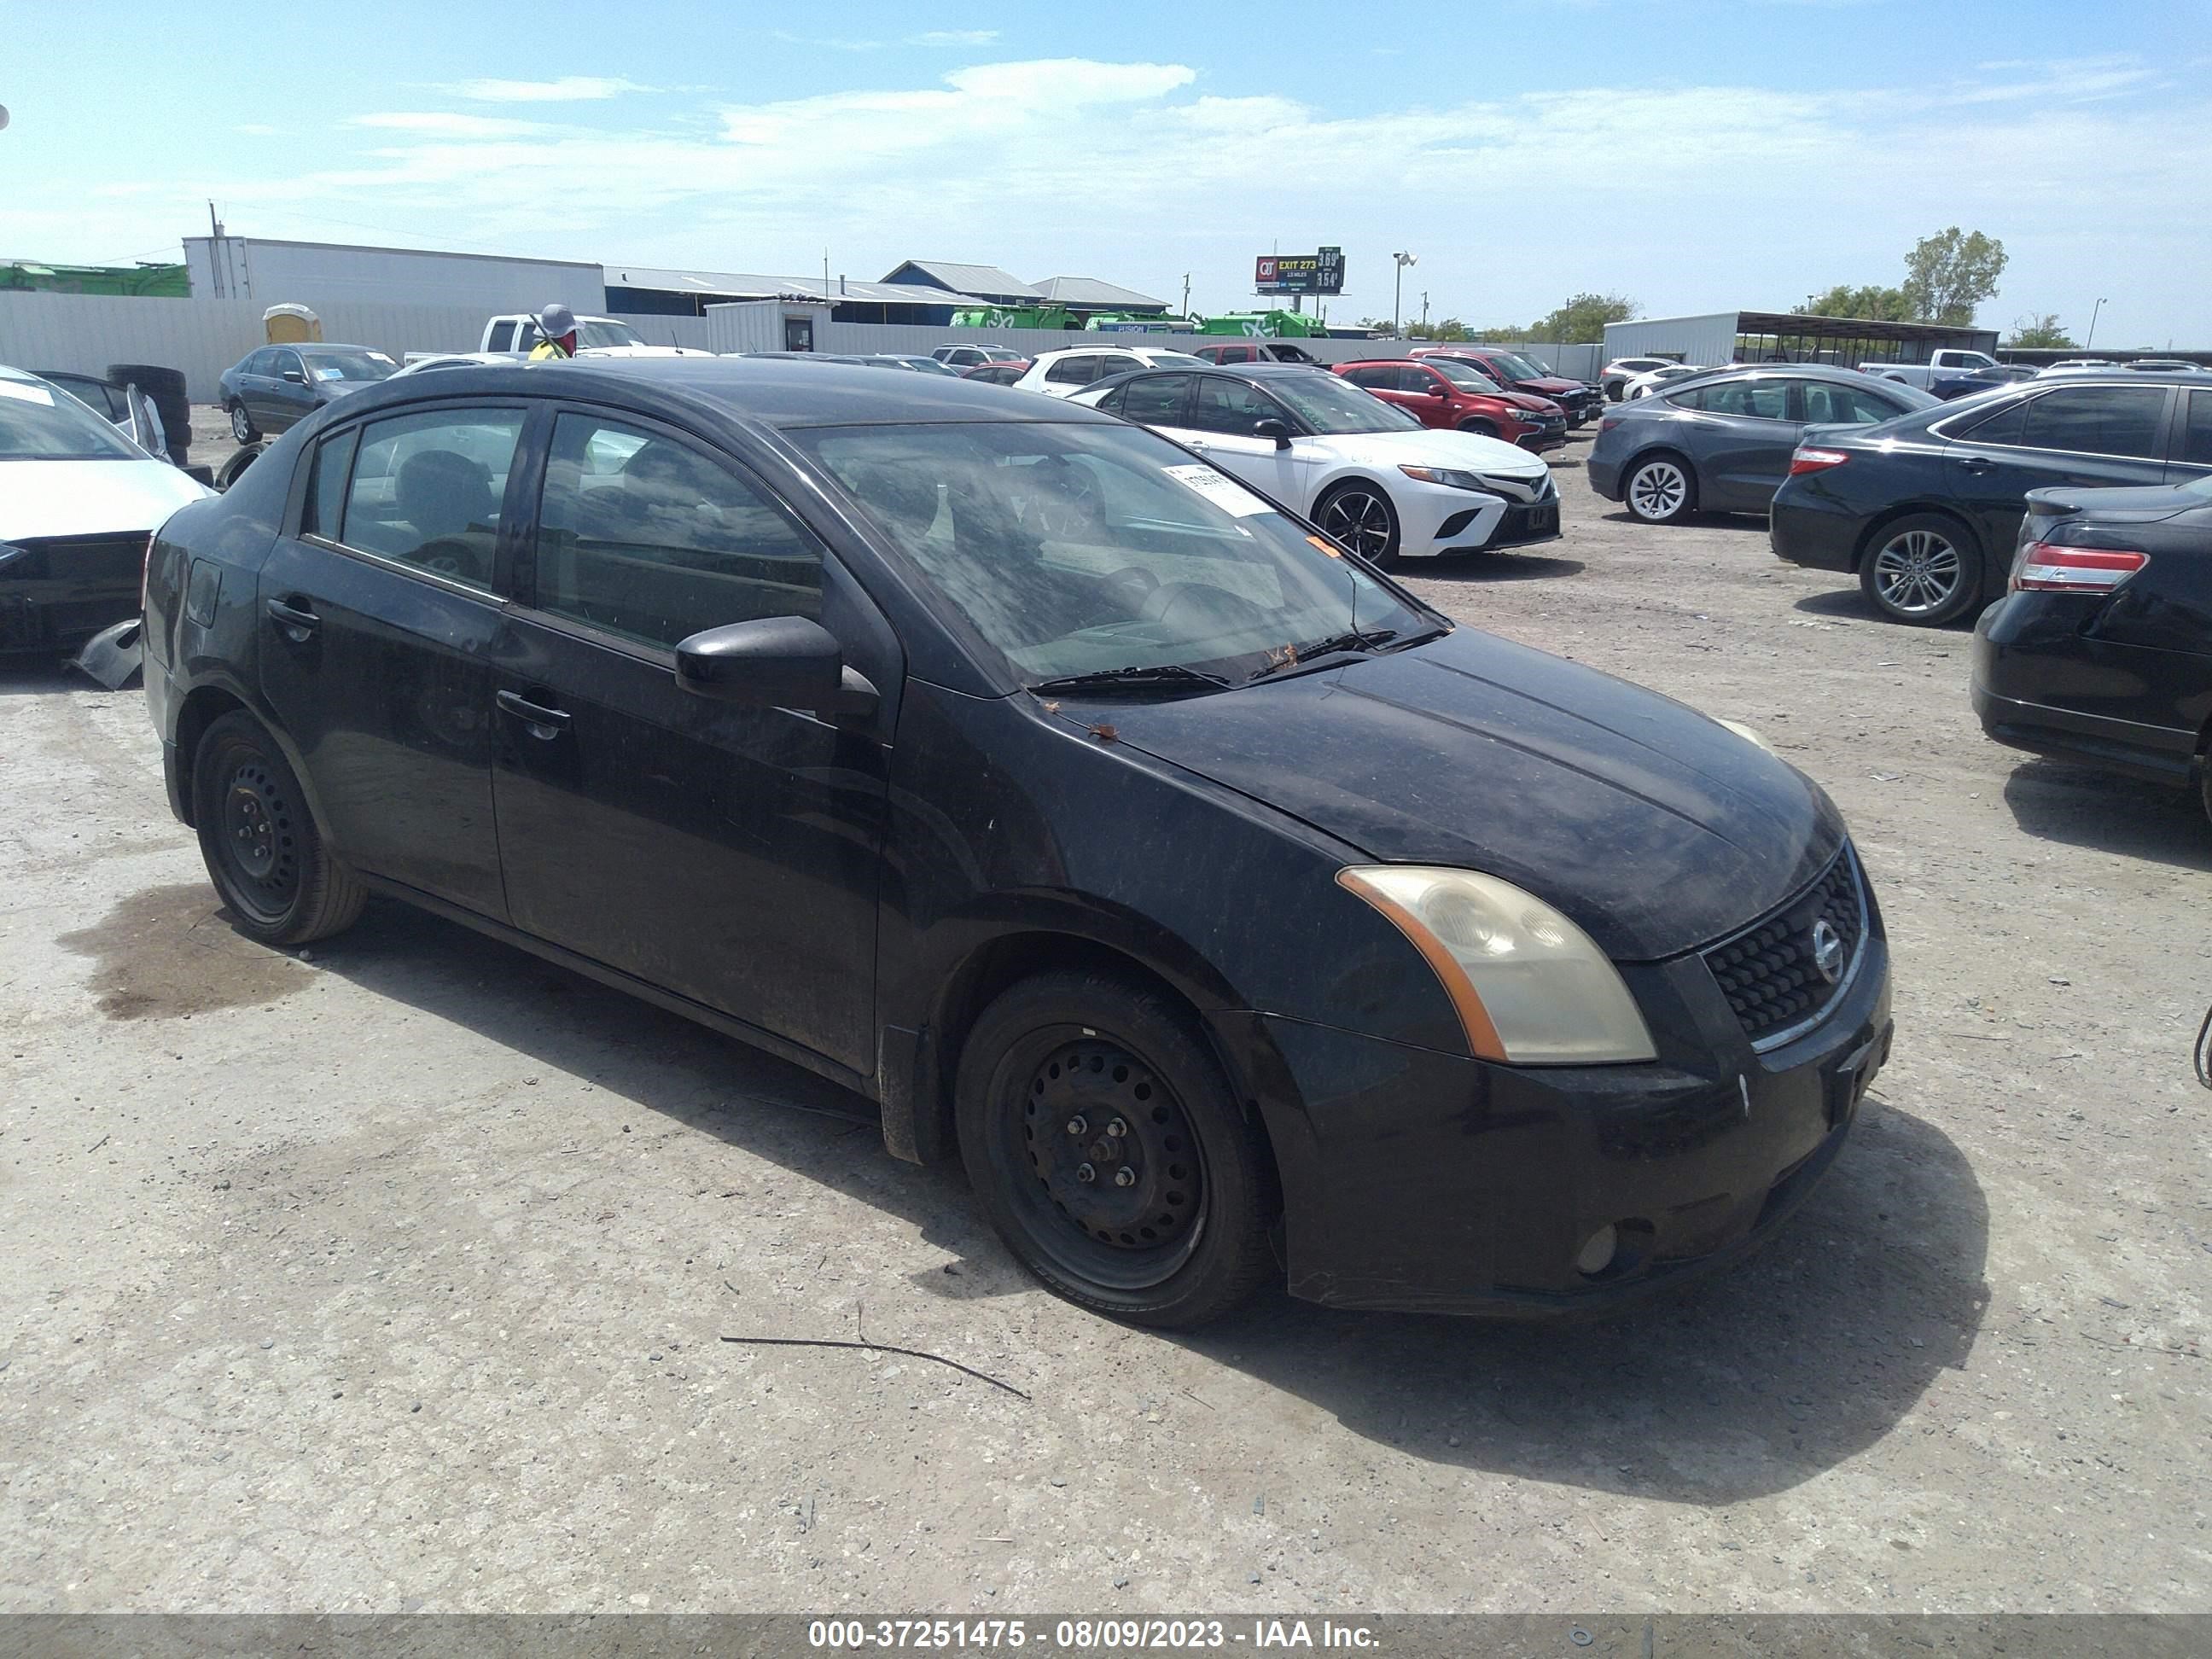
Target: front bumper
column 57, row 593
column 1416, row 1180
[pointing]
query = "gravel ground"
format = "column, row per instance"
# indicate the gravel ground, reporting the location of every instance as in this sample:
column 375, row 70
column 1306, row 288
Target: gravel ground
column 392, row 1276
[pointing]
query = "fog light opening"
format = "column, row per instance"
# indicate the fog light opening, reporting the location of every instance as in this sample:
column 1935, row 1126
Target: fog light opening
column 1597, row 1251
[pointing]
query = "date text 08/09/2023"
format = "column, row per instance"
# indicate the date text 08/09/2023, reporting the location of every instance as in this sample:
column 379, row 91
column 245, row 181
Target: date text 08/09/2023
column 1081, row 1635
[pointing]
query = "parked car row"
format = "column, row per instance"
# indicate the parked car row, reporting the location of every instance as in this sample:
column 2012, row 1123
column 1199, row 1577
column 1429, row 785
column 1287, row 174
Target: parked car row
column 850, row 714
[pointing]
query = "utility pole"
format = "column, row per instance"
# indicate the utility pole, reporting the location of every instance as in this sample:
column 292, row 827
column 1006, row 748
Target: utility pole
column 1424, row 307
column 2092, row 340
column 1398, row 290
column 1185, row 294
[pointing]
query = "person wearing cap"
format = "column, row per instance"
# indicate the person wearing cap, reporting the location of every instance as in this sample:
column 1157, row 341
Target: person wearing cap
column 557, row 328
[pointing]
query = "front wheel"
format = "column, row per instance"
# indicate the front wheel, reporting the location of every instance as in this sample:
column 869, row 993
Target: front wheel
column 262, row 849
column 1922, row 570
column 241, row 425
column 1110, row 1152
column 1661, row 490
column 1359, row 516
column 1480, row 428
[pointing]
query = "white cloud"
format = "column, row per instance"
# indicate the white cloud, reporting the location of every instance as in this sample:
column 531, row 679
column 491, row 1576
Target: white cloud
column 569, row 88
column 953, row 38
column 445, row 125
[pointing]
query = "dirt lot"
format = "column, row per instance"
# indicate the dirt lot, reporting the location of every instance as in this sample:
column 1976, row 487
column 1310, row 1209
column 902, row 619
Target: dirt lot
column 391, row 1277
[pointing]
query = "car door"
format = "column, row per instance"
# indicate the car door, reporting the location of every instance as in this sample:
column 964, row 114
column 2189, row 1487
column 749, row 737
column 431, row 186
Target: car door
column 381, row 620
column 2093, row 435
column 1402, row 386
column 1740, row 436
column 728, row 855
column 1069, row 376
column 2192, row 438
column 291, row 392
column 252, row 380
column 1222, row 413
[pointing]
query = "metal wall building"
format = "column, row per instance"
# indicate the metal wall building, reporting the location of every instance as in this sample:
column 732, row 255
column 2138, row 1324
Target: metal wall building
column 323, row 274
column 1758, row 336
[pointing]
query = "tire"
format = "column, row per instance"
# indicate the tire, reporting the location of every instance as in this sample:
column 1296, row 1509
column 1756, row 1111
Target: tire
column 1661, row 488
column 1046, row 1074
column 234, row 468
column 1922, row 569
column 1358, row 515
column 241, row 425
column 262, row 851
column 1481, row 428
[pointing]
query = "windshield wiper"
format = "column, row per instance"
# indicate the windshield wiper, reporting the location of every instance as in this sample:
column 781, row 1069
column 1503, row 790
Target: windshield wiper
column 1167, row 675
column 1302, row 656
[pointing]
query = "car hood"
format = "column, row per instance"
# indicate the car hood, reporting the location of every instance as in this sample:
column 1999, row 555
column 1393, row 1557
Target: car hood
column 1424, row 447
column 2136, row 504
column 1550, row 384
column 90, row 498
column 1656, row 829
column 1529, row 400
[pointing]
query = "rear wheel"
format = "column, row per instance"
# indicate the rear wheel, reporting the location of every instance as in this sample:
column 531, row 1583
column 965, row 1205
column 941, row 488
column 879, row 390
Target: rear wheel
column 1923, row 570
column 1110, row 1152
column 241, row 425
column 262, row 848
column 1481, row 428
column 1360, row 517
column 1662, row 489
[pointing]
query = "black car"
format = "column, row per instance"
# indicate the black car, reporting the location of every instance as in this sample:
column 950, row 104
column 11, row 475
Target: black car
column 1721, row 442
column 1925, row 508
column 2102, row 650
column 1230, row 914
column 269, row 391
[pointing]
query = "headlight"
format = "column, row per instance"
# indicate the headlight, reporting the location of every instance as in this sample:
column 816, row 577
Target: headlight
column 1749, row 733
column 1531, row 987
column 1445, row 475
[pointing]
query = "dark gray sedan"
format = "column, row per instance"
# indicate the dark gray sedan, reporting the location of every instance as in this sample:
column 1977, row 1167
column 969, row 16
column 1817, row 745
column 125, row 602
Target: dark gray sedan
column 1721, row 442
column 269, row 391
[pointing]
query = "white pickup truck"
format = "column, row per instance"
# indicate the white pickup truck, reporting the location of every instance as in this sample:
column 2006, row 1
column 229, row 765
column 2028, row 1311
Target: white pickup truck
column 596, row 337
column 1949, row 373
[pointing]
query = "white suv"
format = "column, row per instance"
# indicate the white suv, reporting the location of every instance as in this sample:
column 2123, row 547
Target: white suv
column 1064, row 373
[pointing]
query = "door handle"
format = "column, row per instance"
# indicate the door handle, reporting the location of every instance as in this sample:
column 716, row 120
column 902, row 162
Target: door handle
column 544, row 723
column 296, row 621
column 1978, row 464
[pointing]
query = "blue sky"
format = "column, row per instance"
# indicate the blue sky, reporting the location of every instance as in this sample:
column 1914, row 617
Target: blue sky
column 1696, row 155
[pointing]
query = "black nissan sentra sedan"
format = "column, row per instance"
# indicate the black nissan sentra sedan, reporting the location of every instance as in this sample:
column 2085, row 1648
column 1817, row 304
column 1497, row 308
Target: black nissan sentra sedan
column 1232, row 915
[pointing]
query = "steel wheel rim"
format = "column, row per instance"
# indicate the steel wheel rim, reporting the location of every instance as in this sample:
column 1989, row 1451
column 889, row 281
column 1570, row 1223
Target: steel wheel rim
column 1361, row 521
column 1918, row 573
column 1072, row 1100
column 259, row 841
column 240, row 428
column 1658, row 490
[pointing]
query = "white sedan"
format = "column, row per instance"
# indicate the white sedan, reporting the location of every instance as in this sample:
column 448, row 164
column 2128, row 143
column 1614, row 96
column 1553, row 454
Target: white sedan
column 1064, row 373
column 1370, row 475
column 1644, row 385
column 78, row 500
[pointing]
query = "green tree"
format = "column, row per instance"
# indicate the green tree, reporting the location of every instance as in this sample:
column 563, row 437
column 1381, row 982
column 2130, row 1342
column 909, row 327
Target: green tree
column 2044, row 331
column 1449, row 328
column 1887, row 305
column 1581, row 320
column 1950, row 273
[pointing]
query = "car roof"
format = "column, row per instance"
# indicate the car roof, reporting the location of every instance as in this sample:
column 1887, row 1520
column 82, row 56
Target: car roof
column 768, row 391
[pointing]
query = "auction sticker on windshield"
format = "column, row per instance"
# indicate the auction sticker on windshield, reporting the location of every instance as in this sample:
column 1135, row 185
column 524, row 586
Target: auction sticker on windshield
column 1224, row 491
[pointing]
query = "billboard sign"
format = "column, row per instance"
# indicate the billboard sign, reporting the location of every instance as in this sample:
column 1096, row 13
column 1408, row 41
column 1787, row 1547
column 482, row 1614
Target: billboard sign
column 1318, row 272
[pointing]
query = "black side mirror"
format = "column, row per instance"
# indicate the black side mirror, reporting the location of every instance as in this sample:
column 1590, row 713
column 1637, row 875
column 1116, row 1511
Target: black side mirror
column 772, row 662
column 295, row 377
column 1269, row 427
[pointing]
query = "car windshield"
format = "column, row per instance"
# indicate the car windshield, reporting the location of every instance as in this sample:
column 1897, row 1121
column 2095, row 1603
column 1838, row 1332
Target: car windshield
column 1523, row 369
column 350, row 365
column 1330, row 404
column 605, row 332
column 1081, row 549
column 1466, row 376
column 37, row 423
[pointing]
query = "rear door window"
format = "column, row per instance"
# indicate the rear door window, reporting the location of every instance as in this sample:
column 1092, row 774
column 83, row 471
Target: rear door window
column 427, row 489
column 2196, row 431
column 1078, row 370
column 1156, row 400
column 1757, row 400
column 643, row 536
column 2097, row 419
column 1231, row 406
column 1824, row 402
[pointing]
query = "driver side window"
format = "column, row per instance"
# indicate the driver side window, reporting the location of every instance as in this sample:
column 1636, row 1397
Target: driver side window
column 1232, row 407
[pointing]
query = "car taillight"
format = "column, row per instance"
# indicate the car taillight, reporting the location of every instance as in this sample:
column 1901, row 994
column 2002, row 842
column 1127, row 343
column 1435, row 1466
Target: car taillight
column 1808, row 459
column 1608, row 422
column 2043, row 568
